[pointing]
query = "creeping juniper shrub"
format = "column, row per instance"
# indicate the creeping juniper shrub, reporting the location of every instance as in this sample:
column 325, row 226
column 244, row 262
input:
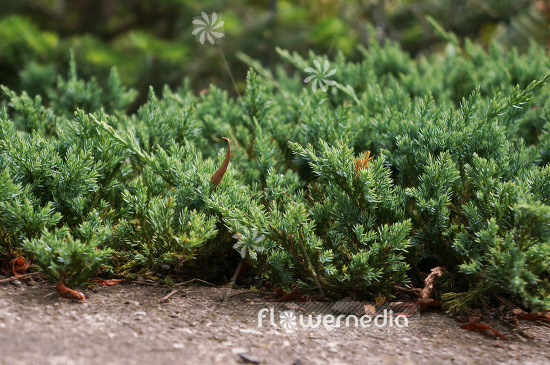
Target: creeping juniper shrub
column 401, row 163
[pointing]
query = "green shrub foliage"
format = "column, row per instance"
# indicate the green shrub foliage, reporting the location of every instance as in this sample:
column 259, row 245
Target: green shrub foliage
column 402, row 165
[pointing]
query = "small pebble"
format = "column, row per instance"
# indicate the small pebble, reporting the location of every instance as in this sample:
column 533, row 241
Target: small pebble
column 16, row 283
column 31, row 282
column 138, row 316
column 247, row 359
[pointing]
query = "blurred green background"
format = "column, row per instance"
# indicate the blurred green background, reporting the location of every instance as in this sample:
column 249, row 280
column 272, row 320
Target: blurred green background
column 151, row 41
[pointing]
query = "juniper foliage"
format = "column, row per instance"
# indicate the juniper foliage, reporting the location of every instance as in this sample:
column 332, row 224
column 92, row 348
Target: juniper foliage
column 460, row 176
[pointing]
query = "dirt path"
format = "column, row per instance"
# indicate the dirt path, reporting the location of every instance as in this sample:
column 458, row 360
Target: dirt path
column 126, row 324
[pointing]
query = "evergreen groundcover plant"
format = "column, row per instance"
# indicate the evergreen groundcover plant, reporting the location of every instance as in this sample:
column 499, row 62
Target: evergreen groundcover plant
column 390, row 168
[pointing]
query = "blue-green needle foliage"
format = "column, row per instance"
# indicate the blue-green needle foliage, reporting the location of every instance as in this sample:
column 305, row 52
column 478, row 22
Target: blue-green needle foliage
column 460, row 176
column 64, row 258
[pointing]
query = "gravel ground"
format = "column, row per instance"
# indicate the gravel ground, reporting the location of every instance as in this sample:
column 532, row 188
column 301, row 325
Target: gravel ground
column 127, row 324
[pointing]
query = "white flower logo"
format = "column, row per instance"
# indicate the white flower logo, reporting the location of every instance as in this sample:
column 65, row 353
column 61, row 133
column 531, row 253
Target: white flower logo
column 288, row 319
column 248, row 240
column 205, row 26
column 320, row 75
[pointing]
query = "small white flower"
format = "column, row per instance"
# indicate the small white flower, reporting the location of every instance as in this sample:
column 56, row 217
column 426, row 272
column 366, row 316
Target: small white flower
column 205, row 26
column 320, row 75
column 288, row 319
column 248, row 241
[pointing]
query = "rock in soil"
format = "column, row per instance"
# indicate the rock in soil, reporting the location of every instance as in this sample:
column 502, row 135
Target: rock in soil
column 16, row 283
column 247, row 359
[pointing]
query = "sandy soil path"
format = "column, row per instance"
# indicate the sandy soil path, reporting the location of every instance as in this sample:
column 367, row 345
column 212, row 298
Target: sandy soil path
column 126, row 324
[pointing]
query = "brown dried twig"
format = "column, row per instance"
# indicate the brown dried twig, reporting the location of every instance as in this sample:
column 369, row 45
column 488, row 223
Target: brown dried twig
column 196, row 279
column 19, row 277
column 167, row 297
column 218, row 175
column 429, row 282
